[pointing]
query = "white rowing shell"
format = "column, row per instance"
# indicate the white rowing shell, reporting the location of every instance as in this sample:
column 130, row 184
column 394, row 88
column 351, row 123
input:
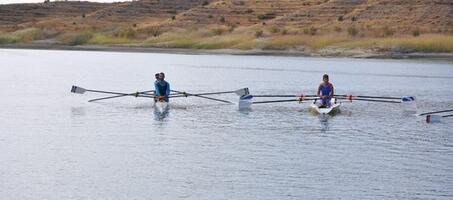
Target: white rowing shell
column 335, row 107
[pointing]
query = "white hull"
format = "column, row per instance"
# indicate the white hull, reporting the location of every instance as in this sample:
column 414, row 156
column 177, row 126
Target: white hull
column 333, row 109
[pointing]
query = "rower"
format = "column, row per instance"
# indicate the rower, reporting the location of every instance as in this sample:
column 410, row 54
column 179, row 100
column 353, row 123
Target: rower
column 157, row 77
column 325, row 91
column 162, row 88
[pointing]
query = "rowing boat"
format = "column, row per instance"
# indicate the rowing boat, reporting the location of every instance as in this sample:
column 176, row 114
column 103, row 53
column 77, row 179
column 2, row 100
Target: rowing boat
column 332, row 109
column 246, row 99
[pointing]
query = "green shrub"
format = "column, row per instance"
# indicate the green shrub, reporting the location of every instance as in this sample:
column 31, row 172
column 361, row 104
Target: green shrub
column 416, row 33
column 284, row 31
column 266, row 16
column 352, row 31
column 259, row 34
column 310, row 31
column 7, row 40
column 81, row 38
column 275, row 30
column 218, row 31
column 388, row 32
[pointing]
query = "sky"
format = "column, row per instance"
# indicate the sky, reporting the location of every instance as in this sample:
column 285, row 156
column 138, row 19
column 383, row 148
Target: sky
column 39, row 1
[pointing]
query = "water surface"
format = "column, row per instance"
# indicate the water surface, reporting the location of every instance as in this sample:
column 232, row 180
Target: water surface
column 56, row 145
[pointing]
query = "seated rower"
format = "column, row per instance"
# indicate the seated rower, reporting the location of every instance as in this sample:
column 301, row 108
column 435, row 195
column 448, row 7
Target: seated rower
column 162, row 88
column 325, row 91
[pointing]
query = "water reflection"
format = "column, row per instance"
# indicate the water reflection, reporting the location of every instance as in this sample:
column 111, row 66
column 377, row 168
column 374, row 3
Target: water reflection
column 161, row 113
column 324, row 121
column 77, row 111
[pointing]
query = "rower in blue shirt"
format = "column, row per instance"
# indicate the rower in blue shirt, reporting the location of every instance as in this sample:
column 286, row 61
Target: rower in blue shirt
column 162, row 88
column 325, row 91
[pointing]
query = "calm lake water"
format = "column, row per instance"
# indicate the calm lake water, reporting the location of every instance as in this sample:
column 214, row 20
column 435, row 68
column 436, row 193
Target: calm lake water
column 56, row 145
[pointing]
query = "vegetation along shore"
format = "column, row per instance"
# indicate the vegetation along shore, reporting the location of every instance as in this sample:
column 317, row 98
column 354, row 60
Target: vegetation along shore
column 353, row 28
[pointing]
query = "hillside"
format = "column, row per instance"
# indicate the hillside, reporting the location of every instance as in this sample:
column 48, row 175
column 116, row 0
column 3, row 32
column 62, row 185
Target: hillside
column 237, row 24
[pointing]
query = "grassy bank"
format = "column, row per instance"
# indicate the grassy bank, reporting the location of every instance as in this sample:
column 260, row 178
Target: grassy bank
column 223, row 37
column 247, row 41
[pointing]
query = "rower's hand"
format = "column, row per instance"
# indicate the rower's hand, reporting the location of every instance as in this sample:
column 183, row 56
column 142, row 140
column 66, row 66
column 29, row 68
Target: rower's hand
column 162, row 98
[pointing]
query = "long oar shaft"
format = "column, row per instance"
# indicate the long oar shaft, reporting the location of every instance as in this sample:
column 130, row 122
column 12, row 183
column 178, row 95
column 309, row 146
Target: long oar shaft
column 284, row 95
column 368, row 97
column 118, row 93
column 213, row 93
column 372, row 100
column 279, row 101
column 275, row 101
column 239, row 92
column 121, row 95
column 197, row 95
column 436, row 112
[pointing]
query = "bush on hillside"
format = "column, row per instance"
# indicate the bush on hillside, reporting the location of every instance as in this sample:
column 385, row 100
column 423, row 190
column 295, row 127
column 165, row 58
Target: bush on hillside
column 352, row 31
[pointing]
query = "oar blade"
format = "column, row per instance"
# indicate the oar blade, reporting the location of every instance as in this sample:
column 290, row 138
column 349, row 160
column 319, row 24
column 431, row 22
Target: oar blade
column 409, row 104
column 408, row 99
column 78, row 90
column 245, row 102
column 433, row 118
column 242, row 92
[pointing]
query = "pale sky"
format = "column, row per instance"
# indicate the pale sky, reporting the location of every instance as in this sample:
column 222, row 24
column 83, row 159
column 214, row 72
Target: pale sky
column 39, row 1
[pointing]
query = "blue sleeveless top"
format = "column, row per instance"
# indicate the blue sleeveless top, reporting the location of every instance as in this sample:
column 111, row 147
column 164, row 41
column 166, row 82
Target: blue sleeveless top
column 326, row 89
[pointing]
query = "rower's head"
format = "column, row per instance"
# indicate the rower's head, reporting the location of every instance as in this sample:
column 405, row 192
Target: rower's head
column 325, row 78
column 156, row 76
column 161, row 76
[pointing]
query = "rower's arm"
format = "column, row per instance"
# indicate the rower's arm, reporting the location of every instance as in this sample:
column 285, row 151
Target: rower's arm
column 319, row 91
column 167, row 93
column 156, row 87
column 332, row 92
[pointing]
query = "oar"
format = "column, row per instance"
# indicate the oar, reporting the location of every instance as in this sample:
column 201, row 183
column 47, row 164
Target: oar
column 283, row 95
column 240, row 92
column 368, row 97
column 80, row 90
column 372, row 100
column 435, row 112
column 121, row 95
column 435, row 118
column 280, row 101
column 197, row 95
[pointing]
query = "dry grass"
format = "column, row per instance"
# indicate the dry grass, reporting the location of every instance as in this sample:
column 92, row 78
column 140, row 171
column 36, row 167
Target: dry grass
column 425, row 43
column 100, row 39
column 21, row 36
column 223, row 37
column 206, row 38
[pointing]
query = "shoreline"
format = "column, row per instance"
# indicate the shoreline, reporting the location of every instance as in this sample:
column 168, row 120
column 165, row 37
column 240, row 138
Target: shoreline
column 326, row 53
